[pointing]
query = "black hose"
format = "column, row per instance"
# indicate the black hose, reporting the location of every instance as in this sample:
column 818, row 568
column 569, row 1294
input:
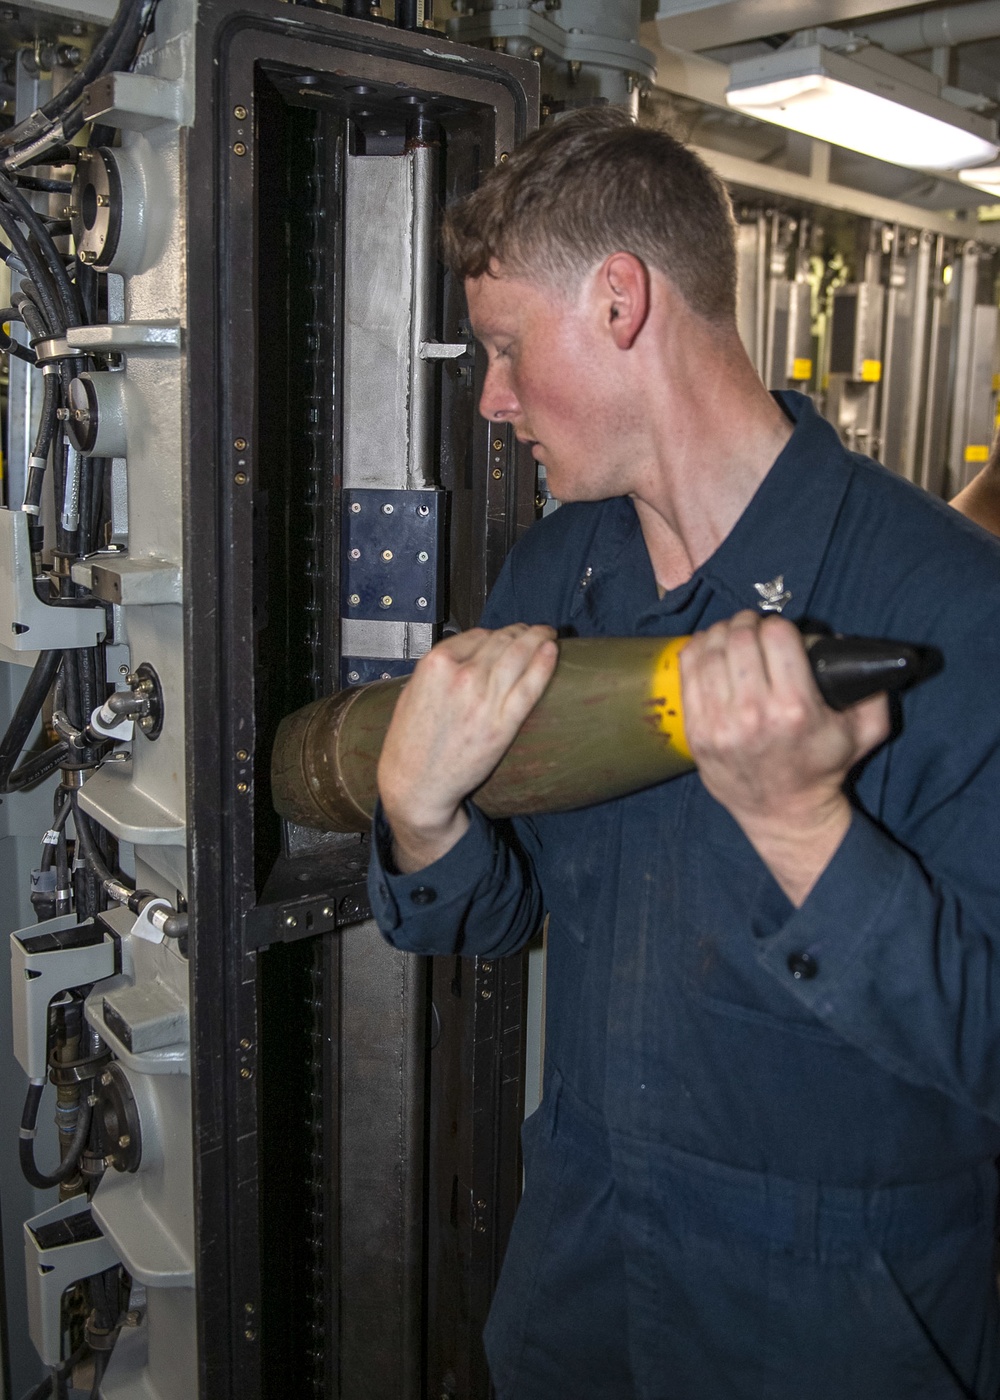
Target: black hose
column 35, row 182
column 26, row 1143
column 39, row 766
column 43, row 1390
column 41, row 278
column 14, row 347
column 28, row 215
column 43, row 442
column 97, row 63
column 28, row 709
column 89, row 848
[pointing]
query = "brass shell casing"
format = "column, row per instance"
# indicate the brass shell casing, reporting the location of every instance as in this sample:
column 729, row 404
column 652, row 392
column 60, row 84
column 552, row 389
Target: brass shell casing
column 609, row 723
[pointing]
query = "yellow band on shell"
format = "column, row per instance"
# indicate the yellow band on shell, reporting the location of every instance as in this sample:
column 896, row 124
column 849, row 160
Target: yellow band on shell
column 665, row 702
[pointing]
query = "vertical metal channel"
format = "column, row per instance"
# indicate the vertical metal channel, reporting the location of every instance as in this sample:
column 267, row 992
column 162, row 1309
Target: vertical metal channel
column 910, row 420
column 388, row 435
column 962, row 380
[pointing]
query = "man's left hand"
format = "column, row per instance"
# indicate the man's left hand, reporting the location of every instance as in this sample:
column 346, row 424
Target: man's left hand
column 768, row 747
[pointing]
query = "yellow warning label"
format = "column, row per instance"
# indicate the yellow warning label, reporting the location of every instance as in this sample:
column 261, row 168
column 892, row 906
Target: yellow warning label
column 802, row 369
column 976, row 452
column 996, row 380
column 871, row 371
column 665, row 696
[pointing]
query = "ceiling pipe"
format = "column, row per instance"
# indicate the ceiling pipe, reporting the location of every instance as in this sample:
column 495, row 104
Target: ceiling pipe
column 959, row 24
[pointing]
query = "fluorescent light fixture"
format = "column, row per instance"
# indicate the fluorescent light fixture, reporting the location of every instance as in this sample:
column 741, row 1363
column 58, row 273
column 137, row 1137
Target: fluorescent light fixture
column 983, row 177
column 868, row 101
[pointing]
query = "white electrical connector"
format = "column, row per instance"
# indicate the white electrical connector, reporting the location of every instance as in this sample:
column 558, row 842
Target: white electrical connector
column 105, row 722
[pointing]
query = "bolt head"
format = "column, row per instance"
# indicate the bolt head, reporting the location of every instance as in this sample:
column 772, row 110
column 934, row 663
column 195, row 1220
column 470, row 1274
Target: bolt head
column 385, row 601
column 328, row 911
column 242, row 755
column 387, row 555
column 106, row 1078
column 240, row 787
column 291, row 921
column 497, row 474
column 354, row 599
column 353, row 676
column 421, row 602
column 498, row 444
column 423, row 556
column 239, row 149
column 388, row 508
column 355, row 507
column 240, row 113
column 240, row 478
column 355, row 553
column 124, row 1140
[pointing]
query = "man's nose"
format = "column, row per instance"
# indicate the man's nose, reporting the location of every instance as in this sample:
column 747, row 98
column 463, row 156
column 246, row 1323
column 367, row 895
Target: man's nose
column 497, row 402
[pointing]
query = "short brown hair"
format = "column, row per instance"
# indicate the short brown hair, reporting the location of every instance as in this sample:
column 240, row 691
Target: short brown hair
column 591, row 184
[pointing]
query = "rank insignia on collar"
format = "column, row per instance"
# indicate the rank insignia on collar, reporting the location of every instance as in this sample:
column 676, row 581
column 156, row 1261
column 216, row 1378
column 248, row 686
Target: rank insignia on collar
column 773, row 595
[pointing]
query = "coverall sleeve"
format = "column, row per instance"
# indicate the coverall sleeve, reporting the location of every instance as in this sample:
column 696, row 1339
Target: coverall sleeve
column 480, row 899
column 901, row 934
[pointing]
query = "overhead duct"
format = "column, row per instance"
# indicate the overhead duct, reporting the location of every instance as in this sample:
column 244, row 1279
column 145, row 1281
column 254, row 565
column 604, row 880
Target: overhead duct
column 934, row 29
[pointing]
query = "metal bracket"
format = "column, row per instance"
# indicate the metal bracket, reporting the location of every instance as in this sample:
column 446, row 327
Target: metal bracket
column 305, row 895
column 26, row 623
column 61, row 1246
column 116, row 578
column 133, row 101
column 46, row 959
column 391, row 555
column 359, row 670
column 120, row 336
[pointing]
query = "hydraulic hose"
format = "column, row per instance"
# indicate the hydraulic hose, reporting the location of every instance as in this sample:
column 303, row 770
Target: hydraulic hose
column 28, row 709
column 70, row 297
column 26, row 1142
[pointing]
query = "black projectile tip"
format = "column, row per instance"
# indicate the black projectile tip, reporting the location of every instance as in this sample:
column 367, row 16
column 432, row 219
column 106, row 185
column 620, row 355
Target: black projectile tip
column 849, row 669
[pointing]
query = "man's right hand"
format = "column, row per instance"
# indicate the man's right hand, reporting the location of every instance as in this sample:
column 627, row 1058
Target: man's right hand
column 455, row 719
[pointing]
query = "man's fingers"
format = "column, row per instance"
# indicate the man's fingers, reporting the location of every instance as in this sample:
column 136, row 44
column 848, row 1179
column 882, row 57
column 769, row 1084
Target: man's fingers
column 870, row 723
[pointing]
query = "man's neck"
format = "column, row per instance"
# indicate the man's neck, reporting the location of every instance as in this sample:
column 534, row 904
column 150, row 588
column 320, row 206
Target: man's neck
column 719, row 441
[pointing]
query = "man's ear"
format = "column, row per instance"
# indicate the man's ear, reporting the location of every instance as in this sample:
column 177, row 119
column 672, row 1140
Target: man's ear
column 623, row 287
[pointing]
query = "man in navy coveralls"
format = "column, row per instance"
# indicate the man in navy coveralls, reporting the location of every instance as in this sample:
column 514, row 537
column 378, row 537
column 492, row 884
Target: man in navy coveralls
column 764, row 1164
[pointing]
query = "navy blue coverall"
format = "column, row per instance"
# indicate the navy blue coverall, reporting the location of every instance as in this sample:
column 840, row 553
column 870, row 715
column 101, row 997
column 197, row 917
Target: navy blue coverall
column 763, row 1168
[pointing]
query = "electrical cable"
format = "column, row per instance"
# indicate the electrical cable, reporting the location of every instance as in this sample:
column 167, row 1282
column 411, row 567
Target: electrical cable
column 42, row 1181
